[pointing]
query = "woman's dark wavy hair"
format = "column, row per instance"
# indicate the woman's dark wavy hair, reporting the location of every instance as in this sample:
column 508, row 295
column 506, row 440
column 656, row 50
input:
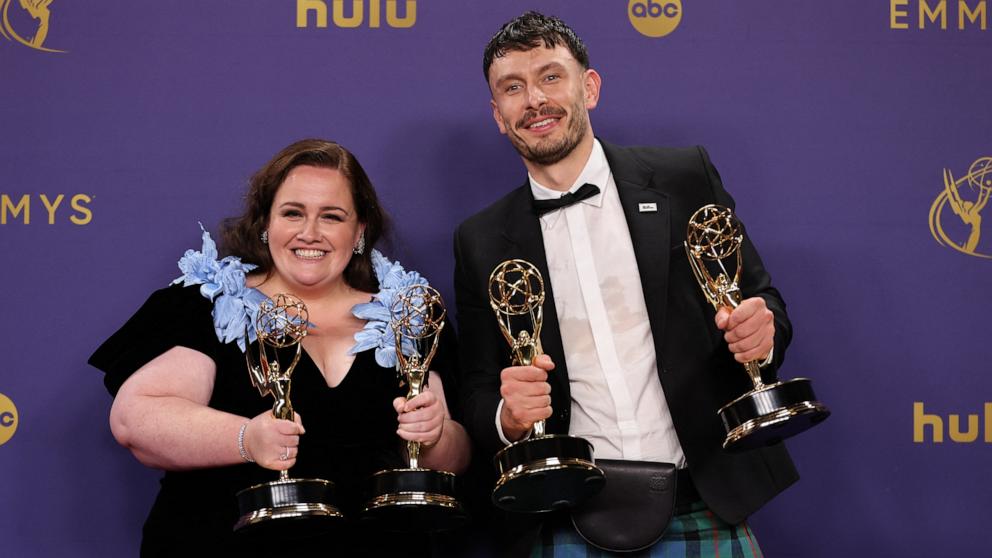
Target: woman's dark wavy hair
column 240, row 236
column 531, row 30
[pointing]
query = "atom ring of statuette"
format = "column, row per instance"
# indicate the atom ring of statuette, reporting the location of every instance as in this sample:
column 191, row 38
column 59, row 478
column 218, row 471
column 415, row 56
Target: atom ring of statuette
column 282, row 322
column 418, row 312
column 714, row 233
column 516, row 288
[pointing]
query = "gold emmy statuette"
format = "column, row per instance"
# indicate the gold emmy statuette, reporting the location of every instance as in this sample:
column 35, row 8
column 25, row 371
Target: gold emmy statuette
column 415, row 499
column 300, row 507
column 767, row 414
column 547, row 471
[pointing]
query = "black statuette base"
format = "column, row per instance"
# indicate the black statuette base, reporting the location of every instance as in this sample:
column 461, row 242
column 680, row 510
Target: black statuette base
column 294, row 508
column 545, row 474
column 769, row 415
column 414, row 500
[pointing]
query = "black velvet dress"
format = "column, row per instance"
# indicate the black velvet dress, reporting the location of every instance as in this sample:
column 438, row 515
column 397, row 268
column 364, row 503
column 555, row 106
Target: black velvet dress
column 350, row 435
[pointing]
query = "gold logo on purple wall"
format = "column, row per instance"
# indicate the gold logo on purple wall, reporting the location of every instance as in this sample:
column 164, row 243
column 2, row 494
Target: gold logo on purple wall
column 8, row 419
column 957, row 15
column 956, row 214
column 18, row 208
column 348, row 14
column 966, row 434
column 655, row 18
column 28, row 24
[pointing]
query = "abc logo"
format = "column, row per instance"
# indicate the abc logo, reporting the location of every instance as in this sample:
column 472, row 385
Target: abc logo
column 8, row 419
column 655, row 18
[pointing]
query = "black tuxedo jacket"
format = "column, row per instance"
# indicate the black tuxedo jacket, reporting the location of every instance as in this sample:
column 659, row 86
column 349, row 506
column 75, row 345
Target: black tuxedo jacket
column 697, row 371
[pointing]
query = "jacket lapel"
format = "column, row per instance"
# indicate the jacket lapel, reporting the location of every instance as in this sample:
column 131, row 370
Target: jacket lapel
column 648, row 215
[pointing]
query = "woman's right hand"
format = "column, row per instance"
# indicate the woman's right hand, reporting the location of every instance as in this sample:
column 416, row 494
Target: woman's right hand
column 273, row 443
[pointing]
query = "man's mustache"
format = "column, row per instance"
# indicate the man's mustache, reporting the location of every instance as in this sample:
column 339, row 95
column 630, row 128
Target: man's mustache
column 545, row 111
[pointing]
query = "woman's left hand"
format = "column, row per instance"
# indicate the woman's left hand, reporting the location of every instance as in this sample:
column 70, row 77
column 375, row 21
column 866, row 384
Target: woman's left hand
column 421, row 419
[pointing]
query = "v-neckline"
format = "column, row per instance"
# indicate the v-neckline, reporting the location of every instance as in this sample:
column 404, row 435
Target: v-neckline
column 320, row 372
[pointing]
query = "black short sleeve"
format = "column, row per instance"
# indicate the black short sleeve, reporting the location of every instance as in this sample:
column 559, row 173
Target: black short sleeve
column 171, row 317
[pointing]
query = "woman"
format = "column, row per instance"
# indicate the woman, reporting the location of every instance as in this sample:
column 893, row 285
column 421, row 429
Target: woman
column 183, row 399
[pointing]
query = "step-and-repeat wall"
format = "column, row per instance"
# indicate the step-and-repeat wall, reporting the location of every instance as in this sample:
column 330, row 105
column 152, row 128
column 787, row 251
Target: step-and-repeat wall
column 855, row 136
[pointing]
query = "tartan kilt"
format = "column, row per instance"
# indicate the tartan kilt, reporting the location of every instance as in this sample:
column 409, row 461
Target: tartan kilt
column 695, row 534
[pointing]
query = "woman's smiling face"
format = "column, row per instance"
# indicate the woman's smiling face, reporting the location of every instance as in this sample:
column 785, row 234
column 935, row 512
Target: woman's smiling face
column 313, row 228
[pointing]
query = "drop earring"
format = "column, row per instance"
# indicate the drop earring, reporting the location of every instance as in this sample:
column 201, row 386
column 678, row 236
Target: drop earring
column 359, row 248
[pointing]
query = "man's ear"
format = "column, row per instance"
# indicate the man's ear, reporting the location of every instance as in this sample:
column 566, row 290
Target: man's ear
column 591, row 84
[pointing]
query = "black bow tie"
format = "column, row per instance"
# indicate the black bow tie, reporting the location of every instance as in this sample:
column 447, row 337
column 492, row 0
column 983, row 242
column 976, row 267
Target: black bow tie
column 584, row 192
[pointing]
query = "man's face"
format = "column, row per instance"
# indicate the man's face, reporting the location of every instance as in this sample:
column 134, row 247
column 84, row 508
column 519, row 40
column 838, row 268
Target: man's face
column 541, row 101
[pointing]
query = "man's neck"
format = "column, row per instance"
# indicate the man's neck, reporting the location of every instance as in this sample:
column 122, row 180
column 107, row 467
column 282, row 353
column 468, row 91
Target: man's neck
column 562, row 175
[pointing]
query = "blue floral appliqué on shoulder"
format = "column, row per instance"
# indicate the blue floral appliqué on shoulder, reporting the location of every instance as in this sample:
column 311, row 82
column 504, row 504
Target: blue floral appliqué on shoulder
column 377, row 332
column 223, row 283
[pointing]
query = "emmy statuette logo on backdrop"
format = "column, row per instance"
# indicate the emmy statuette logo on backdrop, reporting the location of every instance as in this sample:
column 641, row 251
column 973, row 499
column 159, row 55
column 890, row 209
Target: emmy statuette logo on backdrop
column 655, row 18
column 961, row 228
column 28, row 24
column 8, row 419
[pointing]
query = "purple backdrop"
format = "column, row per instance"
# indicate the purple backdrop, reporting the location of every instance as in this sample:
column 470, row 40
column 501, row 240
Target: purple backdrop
column 829, row 122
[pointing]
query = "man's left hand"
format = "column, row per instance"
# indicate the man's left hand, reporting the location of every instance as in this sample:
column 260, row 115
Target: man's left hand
column 748, row 329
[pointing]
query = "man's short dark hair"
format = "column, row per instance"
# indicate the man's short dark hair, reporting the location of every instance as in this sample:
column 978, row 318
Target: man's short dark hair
column 529, row 31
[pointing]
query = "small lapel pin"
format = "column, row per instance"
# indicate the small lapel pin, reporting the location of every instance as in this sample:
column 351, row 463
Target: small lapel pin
column 647, row 207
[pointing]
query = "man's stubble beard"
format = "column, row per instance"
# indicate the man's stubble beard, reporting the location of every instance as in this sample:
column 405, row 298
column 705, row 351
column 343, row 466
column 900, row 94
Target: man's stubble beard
column 548, row 154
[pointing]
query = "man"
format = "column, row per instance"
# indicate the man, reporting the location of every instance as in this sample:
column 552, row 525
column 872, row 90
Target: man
column 636, row 362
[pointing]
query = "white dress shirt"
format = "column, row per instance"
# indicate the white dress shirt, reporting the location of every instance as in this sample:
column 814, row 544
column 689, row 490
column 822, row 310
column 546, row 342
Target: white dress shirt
column 617, row 400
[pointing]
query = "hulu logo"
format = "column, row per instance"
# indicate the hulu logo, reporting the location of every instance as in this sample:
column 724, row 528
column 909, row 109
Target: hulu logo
column 922, row 420
column 369, row 12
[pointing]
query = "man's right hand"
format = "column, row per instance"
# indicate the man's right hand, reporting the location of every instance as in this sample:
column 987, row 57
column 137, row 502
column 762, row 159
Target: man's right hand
column 526, row 397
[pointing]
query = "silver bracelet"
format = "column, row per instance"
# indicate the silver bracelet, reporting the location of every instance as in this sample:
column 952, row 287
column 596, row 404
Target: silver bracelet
column 241, row 444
